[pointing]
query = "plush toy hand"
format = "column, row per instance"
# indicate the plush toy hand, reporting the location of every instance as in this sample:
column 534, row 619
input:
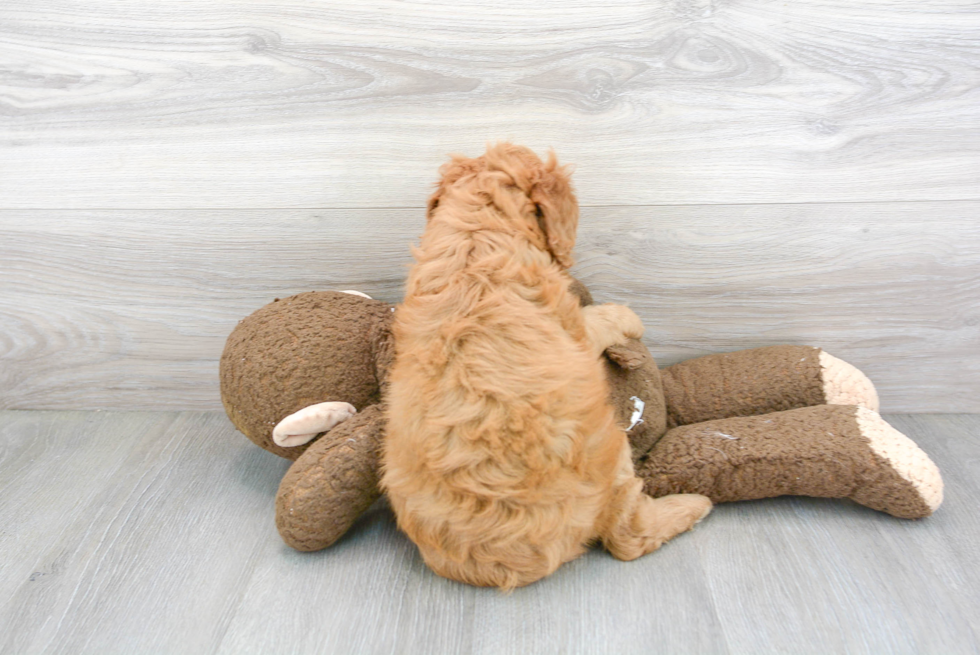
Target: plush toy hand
column 301, row 427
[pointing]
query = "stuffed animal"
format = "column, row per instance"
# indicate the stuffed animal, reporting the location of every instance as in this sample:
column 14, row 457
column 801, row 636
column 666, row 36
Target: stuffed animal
column 305, row 377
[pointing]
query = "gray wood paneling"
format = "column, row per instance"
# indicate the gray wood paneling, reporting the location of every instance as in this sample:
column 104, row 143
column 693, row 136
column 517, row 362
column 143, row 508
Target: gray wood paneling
column 306, row 103
column 153, row 532
column 130, row 309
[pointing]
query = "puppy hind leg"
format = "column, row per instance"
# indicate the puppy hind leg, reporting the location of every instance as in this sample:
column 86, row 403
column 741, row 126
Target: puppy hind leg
column 636, row 524
column 610, row 325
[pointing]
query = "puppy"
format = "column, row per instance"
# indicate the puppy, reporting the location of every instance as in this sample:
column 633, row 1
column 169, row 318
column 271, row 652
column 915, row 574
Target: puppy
column 502, row 459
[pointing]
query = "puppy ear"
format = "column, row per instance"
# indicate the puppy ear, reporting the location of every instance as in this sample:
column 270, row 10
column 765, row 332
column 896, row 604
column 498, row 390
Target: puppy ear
column 434, row 201
column 557, row 209
column 459, row 166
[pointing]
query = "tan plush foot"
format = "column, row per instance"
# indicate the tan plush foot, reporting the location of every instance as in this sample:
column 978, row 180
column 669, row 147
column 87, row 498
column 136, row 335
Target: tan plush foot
column 905, row 458
column 300, row 428
column 844, row 384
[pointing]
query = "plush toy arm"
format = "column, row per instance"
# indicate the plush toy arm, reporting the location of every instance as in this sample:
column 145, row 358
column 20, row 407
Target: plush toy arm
column 759, row 381
column 332, row 483
column 831, row 451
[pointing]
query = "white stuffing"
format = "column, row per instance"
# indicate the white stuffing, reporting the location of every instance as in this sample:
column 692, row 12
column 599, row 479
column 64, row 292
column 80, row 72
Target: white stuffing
column 637, row 416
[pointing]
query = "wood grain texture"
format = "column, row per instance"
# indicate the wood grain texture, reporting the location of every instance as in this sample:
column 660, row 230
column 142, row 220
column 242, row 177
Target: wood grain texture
column 306, row 103
column 130, row 310
column 153, row 532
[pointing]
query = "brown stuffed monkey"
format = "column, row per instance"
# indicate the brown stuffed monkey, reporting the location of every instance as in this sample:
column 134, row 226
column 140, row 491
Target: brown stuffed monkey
column 304, row 377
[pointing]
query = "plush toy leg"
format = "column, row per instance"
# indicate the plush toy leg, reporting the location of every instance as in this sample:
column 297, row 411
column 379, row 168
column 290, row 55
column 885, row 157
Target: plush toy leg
column 833, row 451
column 760, row 381
column 332, row 483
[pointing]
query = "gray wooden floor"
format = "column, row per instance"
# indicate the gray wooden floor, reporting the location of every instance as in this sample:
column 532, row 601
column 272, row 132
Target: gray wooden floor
column 153, row 532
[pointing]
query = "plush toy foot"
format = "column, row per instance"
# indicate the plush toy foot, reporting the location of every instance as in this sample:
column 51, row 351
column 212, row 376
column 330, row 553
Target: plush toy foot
column 301, row 427
column 760, row 381
column 844, row 384
column 332, row 483
column 831, row 451
column 896, row 450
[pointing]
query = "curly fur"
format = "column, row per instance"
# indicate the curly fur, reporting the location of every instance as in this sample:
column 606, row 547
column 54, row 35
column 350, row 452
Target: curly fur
column 502, row 459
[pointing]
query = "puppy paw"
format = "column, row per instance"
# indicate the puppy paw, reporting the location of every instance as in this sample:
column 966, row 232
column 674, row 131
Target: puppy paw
column 631, row 323
column 624, row 323
column 653, row 522
column 700, row 506
column 301, row 427
column 677, row 513
column 611, row 325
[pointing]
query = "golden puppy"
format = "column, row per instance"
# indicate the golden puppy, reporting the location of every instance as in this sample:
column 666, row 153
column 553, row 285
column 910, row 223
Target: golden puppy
column 502, row 458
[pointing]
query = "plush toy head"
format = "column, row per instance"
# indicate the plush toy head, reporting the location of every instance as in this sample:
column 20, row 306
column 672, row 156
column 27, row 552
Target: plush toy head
column 300, row 351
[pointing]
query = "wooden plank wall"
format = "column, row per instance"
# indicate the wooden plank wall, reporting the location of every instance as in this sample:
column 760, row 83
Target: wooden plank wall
column 751, row 173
